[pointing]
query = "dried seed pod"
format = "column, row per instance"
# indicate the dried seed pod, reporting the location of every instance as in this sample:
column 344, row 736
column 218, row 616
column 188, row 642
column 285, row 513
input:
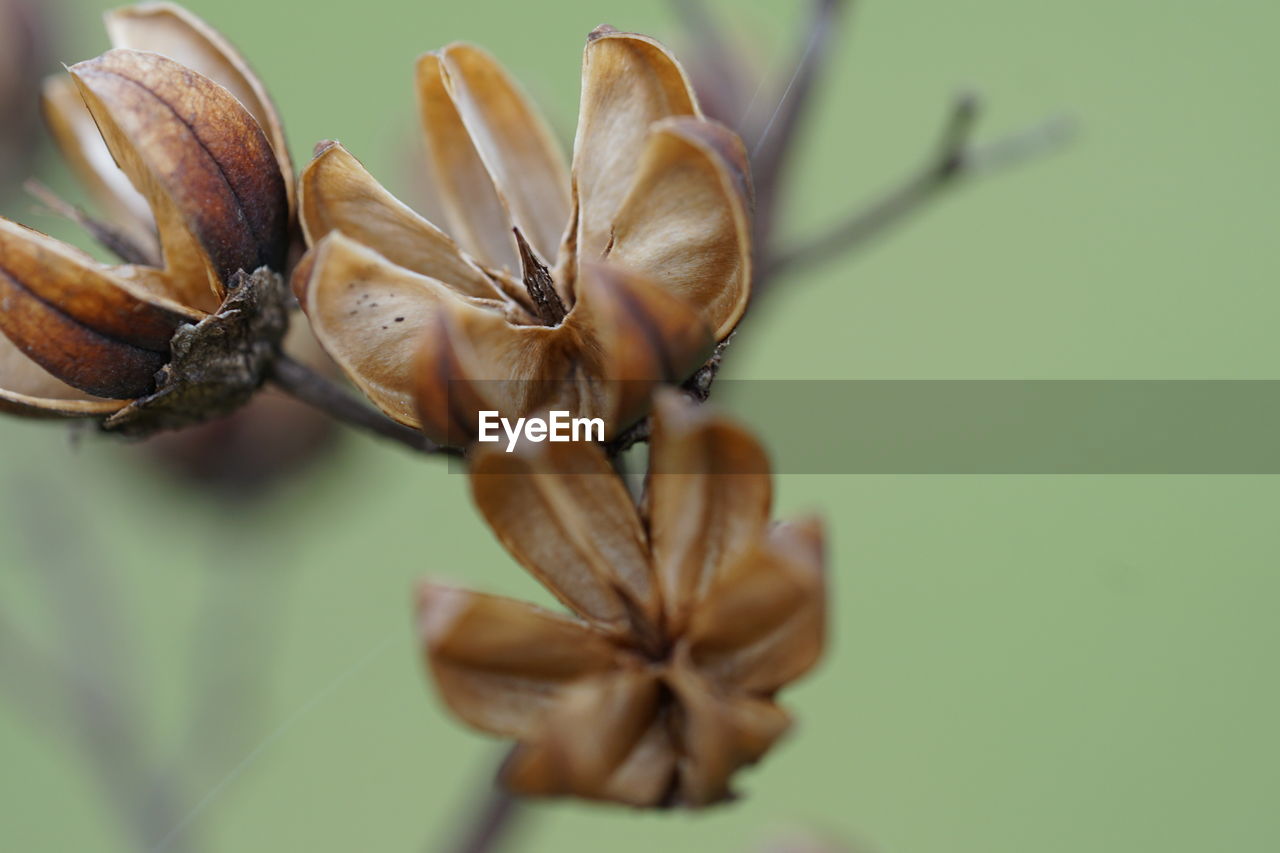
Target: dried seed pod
column 579, row 288
column 193, row 176
column 692, row 614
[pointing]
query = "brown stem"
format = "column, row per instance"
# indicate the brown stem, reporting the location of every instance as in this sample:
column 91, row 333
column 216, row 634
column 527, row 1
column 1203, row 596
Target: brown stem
column 315, row 390
column 491, row 821
column 773, row 144
column 955, row 160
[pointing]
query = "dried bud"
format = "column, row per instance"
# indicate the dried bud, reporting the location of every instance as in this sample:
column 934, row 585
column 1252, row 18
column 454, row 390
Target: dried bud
column 193, row 173
column 576, row 289
column 691, row 615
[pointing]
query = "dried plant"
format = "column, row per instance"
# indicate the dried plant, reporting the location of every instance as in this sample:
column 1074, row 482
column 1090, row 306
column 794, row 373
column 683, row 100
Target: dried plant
column 584, row 287
column 578, row 293
column 690, row 616
column 199, row 213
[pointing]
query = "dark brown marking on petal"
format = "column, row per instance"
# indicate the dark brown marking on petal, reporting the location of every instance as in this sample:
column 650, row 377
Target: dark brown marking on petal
column 253, row 233
column 77, row 355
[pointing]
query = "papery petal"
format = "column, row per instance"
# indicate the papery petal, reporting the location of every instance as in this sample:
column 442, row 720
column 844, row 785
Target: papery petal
column 514, row 142
column 687, row 220
column 171, row 30
column 763, row 624
column 635, row 335
column 500, row 663
column 709, row 499
column 720, row 734
column 474, row 358
column 74, row 353
column 564, row 514
column 370, row 315
column 88, row 292
column 629, row 81
column 77, row 136
column 604, row 738
column 336, row 193
column 27, row 389
column 78, row 322
column 202, row 162
column 477, row 218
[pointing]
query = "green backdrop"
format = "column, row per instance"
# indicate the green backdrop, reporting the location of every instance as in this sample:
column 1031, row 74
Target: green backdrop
column 1019, row 664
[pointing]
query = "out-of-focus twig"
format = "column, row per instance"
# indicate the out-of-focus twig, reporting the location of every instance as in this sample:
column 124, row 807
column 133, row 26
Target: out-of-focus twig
column 955, row 161
column 96, row 686
column 112, row 239
column 771, row 149
column 310, row 387
column 491, row 821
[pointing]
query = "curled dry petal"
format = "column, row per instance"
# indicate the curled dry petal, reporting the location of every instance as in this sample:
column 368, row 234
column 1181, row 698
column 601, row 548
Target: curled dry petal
column 201, row 160
column 371, row 317
column 563, row 514
column 625, row 335
column 27, row 389
column 476, row 214
column 500, row 663
column 171, row 30
column 764, row 623
column 629, row 82
column 709, row 499
column 641, row 336
column 474, row 359
column 603, row 739
column 336, row 193
column 72, row 317
column 722, row 732
column 687, row 220
column 514, row 142
column 77, row 136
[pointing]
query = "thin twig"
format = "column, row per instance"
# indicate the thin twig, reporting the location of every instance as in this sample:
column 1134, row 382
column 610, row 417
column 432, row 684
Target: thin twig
column 110, row 238
column 315, row 390
column 954, row 161
column 775, row 142
column 491, row 822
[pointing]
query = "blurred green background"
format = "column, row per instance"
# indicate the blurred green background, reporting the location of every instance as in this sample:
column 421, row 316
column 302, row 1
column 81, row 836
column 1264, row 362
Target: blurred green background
column 1020, row 664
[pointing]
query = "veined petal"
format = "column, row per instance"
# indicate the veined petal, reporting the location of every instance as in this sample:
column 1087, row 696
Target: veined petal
column 78, row 138
column 636, row 335
column 709, row 499
column 477, row 218
column 88, row 292
column 72, row 352
column 201, row 160
column 86, row 327
column 370, row 315
column 500, row 663
column 722, row 733
column 514, row 142
column 763, row 624
column 629, row 81
column 336, row 193
column 566, row 517
column 604, row 739
column 687, row 219
column 171, row 30
column 27, row 389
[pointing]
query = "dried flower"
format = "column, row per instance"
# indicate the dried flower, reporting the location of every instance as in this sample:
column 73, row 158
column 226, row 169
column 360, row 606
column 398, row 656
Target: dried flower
column 691, row 615
column 577, row 290
column 199, row 201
